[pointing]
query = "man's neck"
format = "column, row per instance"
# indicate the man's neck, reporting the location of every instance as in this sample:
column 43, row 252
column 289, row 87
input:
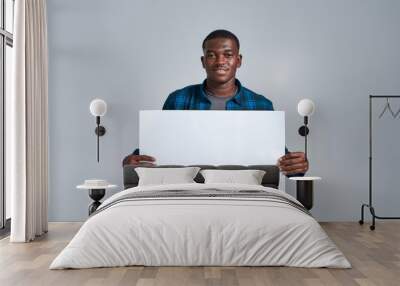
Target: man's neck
column 222, row 90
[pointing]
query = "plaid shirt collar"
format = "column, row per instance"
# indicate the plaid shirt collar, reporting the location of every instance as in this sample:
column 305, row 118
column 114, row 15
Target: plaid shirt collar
column 237, row 98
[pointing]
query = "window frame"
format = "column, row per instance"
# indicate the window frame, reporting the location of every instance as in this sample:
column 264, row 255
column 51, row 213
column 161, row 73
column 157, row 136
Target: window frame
column 6, row 39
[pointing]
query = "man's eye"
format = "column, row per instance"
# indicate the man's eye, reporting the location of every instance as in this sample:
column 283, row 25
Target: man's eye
column 228, row 55
column 210, row 56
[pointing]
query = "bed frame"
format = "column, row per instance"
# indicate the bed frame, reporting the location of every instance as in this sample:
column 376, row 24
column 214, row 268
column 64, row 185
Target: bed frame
column 270, row 179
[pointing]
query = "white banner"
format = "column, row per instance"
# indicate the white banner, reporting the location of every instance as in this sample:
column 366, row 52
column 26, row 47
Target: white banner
column 212, row 137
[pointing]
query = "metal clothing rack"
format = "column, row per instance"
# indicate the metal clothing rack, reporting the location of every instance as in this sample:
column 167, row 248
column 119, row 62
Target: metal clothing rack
column 370, row 205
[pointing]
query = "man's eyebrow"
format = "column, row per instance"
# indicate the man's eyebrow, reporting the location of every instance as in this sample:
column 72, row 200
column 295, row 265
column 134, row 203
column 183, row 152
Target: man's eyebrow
column 227, row 49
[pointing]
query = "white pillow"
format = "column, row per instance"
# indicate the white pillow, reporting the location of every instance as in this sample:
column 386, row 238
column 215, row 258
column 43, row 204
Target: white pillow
column 249, row 177
column 164, row 176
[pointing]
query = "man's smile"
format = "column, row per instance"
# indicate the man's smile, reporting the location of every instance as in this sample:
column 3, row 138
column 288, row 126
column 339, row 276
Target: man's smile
column 221, row 70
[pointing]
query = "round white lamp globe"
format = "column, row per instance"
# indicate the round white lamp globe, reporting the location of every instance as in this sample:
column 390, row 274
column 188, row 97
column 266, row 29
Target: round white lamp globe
column 305, row 107
column 98, row 107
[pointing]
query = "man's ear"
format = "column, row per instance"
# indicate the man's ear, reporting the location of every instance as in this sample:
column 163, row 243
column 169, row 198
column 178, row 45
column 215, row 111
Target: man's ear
column 202, row 61
column 239, row 61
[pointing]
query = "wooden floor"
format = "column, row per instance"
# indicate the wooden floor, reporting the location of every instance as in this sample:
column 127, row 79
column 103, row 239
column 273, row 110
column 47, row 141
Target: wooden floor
column 375, row 257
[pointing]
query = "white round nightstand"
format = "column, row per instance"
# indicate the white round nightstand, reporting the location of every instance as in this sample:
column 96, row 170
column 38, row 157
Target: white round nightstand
column 97, row 190
column 304, row 190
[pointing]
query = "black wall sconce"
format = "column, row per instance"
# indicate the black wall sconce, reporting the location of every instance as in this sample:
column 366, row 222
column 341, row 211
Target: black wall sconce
column 304, row 185
column 98, row 108
column 305, row 108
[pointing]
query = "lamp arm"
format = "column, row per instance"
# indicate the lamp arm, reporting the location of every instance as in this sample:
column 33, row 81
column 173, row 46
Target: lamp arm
column 98, row 145
column 305, row 137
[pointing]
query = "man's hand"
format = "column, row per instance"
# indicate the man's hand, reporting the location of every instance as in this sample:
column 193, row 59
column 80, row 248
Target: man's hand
column 293, row 163
column 139, row 161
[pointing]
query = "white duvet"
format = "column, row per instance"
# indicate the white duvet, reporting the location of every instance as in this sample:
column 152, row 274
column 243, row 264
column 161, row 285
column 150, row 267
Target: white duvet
column 200, row 231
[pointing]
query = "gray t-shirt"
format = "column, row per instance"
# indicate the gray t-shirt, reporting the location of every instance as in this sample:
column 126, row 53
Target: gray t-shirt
column 217, row 102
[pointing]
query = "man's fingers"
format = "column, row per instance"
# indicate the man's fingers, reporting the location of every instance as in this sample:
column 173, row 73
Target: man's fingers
column 141, row 164
column 146, row 164
column 144, row 158
column 296, row 168
column 138, row 159
column 287, row 162
column 293, row 155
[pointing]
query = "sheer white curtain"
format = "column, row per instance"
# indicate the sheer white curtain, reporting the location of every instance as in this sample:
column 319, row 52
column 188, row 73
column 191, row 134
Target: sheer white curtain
column 28, row 123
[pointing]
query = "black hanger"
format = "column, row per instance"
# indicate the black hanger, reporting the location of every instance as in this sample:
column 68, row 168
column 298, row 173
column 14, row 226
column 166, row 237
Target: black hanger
column 387, row 106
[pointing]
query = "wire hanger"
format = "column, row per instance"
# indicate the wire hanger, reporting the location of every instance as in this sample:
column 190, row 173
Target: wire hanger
column 397, row 113
column 388, row 107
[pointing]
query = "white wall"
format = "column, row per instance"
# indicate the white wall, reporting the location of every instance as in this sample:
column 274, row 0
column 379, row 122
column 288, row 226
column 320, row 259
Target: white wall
column 134, row 53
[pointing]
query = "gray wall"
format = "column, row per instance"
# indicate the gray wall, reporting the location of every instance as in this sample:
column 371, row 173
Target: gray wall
column 134, row 53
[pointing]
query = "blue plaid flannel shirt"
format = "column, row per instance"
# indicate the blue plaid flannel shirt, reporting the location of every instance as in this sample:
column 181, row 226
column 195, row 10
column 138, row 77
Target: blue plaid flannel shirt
column 194, row 97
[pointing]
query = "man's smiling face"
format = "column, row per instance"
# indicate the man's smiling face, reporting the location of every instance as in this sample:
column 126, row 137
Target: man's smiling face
column 221, row 59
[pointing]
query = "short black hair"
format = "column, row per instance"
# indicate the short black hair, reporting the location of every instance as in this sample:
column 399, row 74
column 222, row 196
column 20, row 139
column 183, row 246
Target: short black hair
column 221, row 34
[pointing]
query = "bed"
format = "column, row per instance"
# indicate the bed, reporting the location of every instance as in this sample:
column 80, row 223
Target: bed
column 201, row 224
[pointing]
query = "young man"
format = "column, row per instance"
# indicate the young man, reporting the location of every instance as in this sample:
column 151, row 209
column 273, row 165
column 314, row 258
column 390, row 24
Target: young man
column 222, row 91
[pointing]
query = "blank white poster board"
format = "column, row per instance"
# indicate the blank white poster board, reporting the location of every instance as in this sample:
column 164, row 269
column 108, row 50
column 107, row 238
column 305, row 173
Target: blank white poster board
column 212, row 137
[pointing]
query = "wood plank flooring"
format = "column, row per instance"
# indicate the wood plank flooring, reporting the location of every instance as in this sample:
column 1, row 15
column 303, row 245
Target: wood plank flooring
column 375, row 257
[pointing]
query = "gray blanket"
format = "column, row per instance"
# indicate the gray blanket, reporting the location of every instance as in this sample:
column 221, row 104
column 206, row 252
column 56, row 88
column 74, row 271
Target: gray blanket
column 206, row 194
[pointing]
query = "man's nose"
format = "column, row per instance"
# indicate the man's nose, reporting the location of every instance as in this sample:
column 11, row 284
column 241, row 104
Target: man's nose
column 221, row 59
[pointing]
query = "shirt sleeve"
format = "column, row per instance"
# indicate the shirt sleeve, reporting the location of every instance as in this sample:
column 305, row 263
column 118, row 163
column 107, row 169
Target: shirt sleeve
column 169, row 103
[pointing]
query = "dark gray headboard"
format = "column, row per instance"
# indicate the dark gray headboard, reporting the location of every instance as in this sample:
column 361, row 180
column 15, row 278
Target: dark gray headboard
column 270, row 179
